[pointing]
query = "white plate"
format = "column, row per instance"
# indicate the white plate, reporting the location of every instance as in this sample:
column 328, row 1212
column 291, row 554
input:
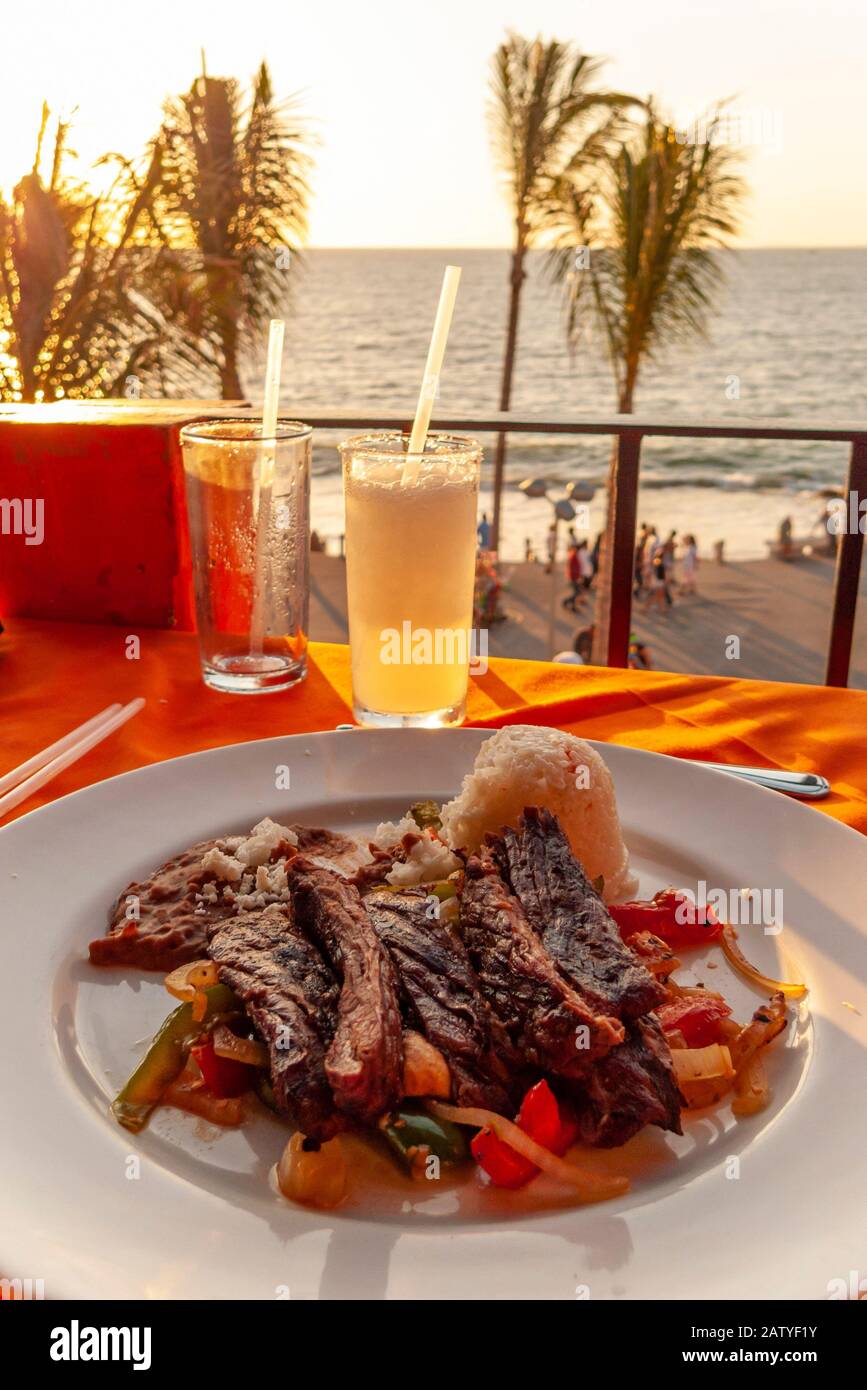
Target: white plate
column 767, row 1207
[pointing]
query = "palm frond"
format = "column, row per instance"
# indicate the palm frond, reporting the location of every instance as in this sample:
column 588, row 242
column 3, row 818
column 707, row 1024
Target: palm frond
column 547, row 119
column 85, row 287
column 664, row 208
column 234, row 193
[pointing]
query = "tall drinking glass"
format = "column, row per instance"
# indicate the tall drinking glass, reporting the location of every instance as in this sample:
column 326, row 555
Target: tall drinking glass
column 248, row 500
column 410, row 576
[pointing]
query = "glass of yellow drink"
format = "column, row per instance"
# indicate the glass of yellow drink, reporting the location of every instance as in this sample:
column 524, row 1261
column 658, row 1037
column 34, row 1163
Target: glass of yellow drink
column 250, row 550
column 410, row 576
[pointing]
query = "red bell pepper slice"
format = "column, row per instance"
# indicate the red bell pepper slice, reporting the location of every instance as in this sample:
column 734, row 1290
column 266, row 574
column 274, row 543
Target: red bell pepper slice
column 222, row 1075
column 671, row 915
column 697, row 1019
column 542, row 1119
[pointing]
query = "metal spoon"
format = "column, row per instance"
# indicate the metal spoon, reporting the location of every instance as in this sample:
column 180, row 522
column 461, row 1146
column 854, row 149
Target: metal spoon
column 808, row 785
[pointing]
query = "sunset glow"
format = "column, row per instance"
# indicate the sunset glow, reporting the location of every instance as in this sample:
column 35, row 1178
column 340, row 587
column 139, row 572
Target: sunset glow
column 398, row 94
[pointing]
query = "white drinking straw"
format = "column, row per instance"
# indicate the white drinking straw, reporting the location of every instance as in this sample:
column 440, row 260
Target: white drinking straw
column 18, row 774
column 70, row 756
column 433, row 367
column 263, row 481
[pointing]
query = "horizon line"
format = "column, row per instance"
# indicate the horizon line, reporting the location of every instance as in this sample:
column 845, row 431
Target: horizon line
column 451, row 246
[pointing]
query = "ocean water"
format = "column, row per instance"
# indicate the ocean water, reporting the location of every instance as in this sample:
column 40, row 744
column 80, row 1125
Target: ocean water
column 787, row 342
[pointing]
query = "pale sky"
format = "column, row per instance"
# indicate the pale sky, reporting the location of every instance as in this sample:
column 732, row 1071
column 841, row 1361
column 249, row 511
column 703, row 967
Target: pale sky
column 398, row 91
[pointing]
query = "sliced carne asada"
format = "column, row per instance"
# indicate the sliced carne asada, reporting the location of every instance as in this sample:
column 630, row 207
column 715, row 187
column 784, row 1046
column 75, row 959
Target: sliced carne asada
column 550, row 1024
column 365, row 1059
column 632, row 1087
column 291, row 995
column 443, row 999
column 331, row 850
column 571, row 918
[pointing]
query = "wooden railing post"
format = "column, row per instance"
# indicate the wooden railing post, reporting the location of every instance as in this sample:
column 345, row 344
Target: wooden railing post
column 848, row 571
column 614, row 601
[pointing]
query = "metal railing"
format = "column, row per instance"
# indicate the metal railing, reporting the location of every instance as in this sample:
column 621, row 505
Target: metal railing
column 628, row 430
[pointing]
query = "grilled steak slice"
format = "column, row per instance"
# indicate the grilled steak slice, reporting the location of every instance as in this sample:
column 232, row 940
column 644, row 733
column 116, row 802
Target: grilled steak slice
column 550, row 1024
column 571, row 919
column 632, row 1087
column 331, row 850
column 172, row 925
column 364, row 1062
column 443, row 999
column 291, row 996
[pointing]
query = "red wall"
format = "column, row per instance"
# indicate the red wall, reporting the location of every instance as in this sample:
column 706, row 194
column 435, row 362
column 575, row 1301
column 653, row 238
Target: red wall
column 116, row 545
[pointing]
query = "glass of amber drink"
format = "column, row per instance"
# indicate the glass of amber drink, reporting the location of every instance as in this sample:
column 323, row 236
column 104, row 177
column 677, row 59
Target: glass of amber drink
column 248, row 500
column 410, row 576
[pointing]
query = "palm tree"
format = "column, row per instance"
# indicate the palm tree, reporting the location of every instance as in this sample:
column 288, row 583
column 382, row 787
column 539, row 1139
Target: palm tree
column 665, row 207
column 548, row 123
column 233, row 203
column 75, row 320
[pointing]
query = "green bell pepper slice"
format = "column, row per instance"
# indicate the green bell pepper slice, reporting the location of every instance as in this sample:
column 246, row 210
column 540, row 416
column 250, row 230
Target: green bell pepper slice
column 165, row 1058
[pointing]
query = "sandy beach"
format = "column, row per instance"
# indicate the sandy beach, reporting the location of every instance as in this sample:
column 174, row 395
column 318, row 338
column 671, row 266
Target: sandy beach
column 779, row 612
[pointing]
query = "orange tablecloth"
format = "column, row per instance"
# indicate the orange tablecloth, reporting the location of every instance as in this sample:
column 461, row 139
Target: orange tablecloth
column 55, row 675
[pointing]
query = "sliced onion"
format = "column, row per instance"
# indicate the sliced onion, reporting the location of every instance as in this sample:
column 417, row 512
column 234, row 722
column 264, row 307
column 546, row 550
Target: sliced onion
column 591, row 1187
column 767, row 1021
column 247, row 1050
column 189, row 983
column 751, row 1087
column 316, row 1177
column 694, row 992
column 425, row 1070
column 736, row 957
column 702, row 1063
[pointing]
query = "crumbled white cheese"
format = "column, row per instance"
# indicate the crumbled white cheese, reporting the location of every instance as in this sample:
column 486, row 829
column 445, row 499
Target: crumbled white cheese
column 221, row 865
column 245, row 902
column 249, row 853
column 209, row 892
column 263, row 838
column 427, row 861
column 279, row 881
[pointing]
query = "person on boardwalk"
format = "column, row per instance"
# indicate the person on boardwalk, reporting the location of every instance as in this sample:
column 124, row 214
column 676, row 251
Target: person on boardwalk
column 688, row 565
column 576, row 575
column 640, row 547
column 483, row 532
column 669, row 551
column 639, row 658
column 652, row 544
column 594, row 556
column 552, row 548
column 658, row 596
